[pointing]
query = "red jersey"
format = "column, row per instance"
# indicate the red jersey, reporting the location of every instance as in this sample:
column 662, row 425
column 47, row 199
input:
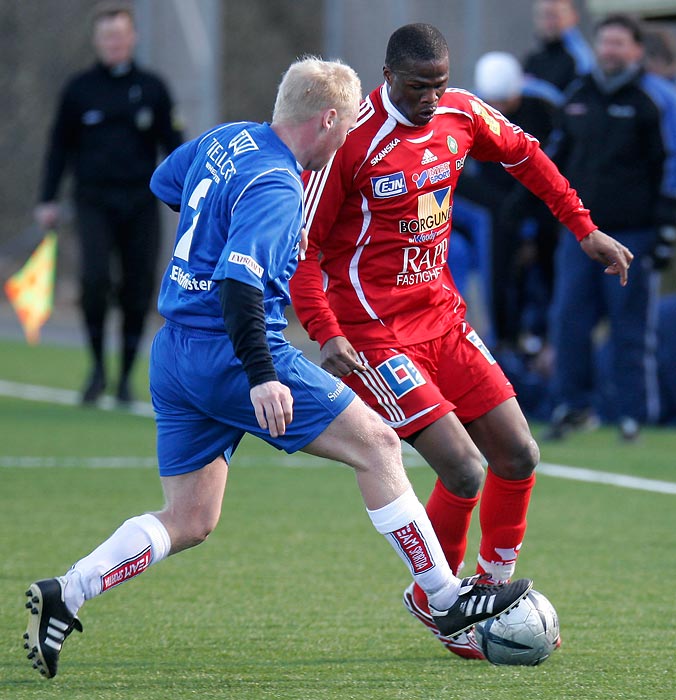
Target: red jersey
column 379, row 219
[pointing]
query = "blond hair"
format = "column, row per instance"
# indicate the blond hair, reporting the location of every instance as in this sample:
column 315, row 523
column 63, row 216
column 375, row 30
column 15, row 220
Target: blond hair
column 311, row 85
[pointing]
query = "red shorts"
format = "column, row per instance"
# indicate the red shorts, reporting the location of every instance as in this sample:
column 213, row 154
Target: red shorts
column 413, row 386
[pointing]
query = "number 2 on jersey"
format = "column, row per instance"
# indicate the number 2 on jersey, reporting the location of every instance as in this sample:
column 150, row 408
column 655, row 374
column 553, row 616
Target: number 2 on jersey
column 195, row 202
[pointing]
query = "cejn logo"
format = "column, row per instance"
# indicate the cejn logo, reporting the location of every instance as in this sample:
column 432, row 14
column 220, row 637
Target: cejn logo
column 391, row 185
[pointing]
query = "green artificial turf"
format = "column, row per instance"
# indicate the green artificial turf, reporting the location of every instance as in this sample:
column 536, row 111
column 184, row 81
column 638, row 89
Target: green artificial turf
column 295, row 595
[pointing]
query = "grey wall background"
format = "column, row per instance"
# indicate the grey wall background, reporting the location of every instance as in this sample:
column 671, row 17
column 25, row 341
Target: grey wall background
column 223, row 60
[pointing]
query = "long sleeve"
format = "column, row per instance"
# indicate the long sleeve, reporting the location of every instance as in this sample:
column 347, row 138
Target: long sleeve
column 309, row 299
column 62, row 140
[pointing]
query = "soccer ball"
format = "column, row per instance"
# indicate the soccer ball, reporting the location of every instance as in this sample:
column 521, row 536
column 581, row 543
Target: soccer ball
column 524, row 636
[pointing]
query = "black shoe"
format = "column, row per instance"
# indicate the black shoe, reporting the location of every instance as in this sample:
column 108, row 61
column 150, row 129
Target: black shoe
column 48, row 626
column 565, row 421
column 479, row 601
column 95, row 387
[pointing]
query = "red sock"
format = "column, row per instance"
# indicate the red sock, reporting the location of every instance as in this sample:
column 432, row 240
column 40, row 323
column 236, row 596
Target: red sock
column 450, row 516
column 502, row 514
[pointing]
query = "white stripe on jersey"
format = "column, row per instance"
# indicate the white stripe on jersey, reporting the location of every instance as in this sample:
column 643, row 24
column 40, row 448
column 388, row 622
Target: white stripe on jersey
column 267, row 172
column 366, row 111
column 389, row 125
column 356, row 284
column 313, row 191
column 453, row 110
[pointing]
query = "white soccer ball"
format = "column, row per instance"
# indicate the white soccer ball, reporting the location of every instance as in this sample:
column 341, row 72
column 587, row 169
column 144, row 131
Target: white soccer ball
column 524, row 636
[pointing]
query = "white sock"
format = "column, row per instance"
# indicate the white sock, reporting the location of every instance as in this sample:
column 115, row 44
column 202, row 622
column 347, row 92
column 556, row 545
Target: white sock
column 129, row 551
column 405, row 524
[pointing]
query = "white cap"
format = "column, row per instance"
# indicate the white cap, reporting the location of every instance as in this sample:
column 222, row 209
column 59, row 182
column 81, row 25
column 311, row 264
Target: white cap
column 498, row 76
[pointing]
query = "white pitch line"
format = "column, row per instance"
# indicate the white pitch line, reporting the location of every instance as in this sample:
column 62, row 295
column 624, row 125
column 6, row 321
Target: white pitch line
column 591, row 475
column 66, row 397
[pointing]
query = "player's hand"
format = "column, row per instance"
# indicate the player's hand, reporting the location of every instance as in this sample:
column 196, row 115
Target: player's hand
column 273, row 404
column 339, row 358
column 609, row 252
column 302, row 246
column 47, row 215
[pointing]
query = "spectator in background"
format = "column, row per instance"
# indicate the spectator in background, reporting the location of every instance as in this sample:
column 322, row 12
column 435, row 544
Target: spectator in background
column 563, row 53
column 660, row 53
column 111, row 122
column 617, row 142
column 523, row 230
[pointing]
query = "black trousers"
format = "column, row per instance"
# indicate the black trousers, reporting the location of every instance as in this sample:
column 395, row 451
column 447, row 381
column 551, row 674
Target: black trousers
column 118, row 233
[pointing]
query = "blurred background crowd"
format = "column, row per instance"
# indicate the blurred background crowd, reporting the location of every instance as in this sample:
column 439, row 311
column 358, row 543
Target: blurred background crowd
column 221, row 60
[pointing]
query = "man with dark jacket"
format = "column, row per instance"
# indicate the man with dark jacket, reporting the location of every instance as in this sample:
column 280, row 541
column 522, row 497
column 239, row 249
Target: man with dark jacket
column 111, row 122
column 617, row 142
column 563, row 53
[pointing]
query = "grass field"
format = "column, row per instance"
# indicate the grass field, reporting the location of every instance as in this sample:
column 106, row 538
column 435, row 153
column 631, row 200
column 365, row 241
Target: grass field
column 294, row 595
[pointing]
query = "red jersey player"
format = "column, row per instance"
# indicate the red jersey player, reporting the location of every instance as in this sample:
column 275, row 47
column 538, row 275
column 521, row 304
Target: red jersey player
column 376, row 292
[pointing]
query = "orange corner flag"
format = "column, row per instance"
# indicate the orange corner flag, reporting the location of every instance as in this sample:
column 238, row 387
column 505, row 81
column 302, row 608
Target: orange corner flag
column 31, row 289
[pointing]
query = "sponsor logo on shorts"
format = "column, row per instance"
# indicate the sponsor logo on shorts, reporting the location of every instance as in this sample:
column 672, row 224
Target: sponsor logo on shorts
column 400, row 375
column 333, row 395
column 474, row 338
column 414, row 547
column 126, row 570
column 391, row 185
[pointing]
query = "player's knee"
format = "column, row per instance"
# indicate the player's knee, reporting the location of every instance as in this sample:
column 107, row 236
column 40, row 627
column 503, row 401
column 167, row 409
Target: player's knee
column 520, row 463
column 380, row 444
column 192, row 529
column 463, row 481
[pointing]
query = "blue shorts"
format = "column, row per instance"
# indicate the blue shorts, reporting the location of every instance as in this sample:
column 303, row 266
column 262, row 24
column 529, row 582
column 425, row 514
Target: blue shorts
column 200, row 394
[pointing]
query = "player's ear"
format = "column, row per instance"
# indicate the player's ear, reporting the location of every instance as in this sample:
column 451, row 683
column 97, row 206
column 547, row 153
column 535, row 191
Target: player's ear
column 329, row 118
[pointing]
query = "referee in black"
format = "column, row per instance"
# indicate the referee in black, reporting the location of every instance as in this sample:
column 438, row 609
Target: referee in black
column 112, row 122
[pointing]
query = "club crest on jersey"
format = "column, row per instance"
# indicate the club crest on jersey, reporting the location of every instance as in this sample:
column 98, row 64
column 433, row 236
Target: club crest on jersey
column 434, row 174
column 391, row 185
column 428, row 157
column 452, row 145
column 400, row 375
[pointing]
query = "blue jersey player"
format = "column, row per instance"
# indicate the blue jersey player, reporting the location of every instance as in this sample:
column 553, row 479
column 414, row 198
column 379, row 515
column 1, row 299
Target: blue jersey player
column 221, row 367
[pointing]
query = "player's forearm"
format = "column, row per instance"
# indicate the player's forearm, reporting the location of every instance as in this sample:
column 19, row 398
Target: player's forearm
column 310, row 302
column 541, row 176
column 244, row 318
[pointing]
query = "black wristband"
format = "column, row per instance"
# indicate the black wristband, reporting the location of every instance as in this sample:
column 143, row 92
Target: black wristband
column 244, row 318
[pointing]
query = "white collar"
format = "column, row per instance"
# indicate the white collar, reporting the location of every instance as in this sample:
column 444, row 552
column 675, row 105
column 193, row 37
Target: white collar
column 390, row 107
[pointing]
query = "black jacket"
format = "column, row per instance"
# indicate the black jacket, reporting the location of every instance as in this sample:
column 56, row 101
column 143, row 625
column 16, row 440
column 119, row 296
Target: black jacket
column 618, row 148
column 109, row 129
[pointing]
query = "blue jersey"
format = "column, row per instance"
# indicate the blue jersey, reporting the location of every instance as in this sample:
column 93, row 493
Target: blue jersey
column 241, row 203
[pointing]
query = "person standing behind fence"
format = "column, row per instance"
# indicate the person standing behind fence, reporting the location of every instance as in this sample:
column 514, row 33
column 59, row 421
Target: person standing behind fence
column 111, row 122
column 563, row 53
column 523, row 228
column 617, row 142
